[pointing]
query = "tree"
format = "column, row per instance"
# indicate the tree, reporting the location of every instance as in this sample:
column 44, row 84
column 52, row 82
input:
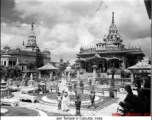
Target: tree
column 62, row 67
column 31, row 65
column 39, row 58
column 10, row 72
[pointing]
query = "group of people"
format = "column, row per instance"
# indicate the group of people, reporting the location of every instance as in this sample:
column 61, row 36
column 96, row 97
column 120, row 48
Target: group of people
column 63, row 100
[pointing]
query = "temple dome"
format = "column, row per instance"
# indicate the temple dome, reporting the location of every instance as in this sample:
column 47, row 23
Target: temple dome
column 17, row 48
column 46, row 50
column 6, row 47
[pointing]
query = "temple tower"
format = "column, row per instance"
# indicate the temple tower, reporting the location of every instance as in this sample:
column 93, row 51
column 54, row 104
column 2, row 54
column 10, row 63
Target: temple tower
column 61, row 59
column 113, row 38
column 31, row 43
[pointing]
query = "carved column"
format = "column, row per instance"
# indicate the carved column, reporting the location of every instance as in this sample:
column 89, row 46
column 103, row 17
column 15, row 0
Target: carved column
column 39, row 74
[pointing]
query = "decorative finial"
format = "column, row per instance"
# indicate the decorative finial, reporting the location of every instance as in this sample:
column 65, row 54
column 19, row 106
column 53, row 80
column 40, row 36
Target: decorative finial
column 112, row 17
column 32, row 27
column 23, row 43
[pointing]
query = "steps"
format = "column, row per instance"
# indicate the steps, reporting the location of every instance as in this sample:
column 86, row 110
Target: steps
column 84, row 77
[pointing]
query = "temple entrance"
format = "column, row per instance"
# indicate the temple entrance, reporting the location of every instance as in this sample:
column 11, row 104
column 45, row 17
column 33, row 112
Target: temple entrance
column 116, row 65
column 102, row 66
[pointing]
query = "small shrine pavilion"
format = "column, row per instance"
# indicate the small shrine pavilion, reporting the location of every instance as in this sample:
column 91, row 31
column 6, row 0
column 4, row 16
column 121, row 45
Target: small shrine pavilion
column 48, row 67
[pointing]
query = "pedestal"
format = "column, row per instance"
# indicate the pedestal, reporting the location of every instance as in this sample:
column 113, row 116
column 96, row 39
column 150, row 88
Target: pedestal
column 94, row 72
column 122, row 90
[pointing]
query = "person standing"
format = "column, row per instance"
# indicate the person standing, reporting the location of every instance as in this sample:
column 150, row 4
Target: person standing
column 81, row 86
column 59, row 100
column 65, row 101
column 90, row 81
column 92, row 98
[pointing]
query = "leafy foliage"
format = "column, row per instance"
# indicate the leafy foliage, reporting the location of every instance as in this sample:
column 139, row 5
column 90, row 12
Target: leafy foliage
column 62, row 67
column 31, row 65
column 10, row 72
column 39, row 59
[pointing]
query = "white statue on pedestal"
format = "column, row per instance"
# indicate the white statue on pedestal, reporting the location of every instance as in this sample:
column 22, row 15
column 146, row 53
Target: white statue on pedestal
column 31, row 77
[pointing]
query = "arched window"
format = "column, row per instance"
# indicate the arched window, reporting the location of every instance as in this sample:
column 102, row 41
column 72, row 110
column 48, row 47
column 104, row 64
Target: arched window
column 4, row 62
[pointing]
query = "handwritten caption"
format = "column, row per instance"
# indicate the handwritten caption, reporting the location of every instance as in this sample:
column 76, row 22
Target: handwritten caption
column 78, row 118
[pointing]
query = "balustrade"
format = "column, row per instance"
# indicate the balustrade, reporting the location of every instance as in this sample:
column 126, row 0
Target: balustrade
column 6, row 93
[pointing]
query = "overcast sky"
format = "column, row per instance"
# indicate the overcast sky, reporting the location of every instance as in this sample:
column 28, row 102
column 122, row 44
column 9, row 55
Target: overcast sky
column 63, row 26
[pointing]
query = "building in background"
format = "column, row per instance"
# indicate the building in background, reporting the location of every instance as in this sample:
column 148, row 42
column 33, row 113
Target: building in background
column 21, row 56
column 112, row 47
column 61, row 64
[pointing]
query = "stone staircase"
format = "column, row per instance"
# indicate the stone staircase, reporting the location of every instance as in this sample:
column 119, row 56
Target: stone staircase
column 84, row 77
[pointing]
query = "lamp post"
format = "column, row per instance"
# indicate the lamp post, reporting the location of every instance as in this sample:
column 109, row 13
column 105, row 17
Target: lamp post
column 94, row 77
column 78, row 71
column 112, row 86
column 78, row 105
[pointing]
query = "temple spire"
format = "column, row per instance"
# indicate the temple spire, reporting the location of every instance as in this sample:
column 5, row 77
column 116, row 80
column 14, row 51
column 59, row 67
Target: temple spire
column 32, row 27
column 23, row 43
column 112, row 17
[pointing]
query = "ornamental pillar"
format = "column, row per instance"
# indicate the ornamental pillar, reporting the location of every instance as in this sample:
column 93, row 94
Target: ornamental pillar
column 39, row 74
column 132, row 76
column 6, row 62
column 50, row 75
column 78, row 72
column 94, row 71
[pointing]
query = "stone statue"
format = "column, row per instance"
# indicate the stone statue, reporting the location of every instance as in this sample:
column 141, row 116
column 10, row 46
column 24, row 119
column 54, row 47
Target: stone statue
column 31, row 77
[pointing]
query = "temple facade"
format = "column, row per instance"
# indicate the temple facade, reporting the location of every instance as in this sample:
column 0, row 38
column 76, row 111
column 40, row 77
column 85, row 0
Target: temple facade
column 110, row 52
column 21, row 56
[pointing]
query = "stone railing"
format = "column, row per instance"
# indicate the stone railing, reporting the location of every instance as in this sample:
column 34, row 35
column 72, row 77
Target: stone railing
column 6, row 93
column 112, row 49
column 120, row 81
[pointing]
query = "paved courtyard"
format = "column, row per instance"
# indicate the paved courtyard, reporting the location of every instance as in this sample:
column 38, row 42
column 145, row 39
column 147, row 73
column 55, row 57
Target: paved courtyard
column 52, row 110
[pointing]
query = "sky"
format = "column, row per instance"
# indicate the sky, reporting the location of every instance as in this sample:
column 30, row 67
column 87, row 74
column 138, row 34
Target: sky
column 66, row 25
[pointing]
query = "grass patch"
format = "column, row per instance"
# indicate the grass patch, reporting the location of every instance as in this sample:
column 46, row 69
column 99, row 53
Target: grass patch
column 19, row 111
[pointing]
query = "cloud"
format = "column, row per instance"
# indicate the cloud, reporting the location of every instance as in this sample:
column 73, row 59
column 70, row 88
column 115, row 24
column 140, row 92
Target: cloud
column 63, row 26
